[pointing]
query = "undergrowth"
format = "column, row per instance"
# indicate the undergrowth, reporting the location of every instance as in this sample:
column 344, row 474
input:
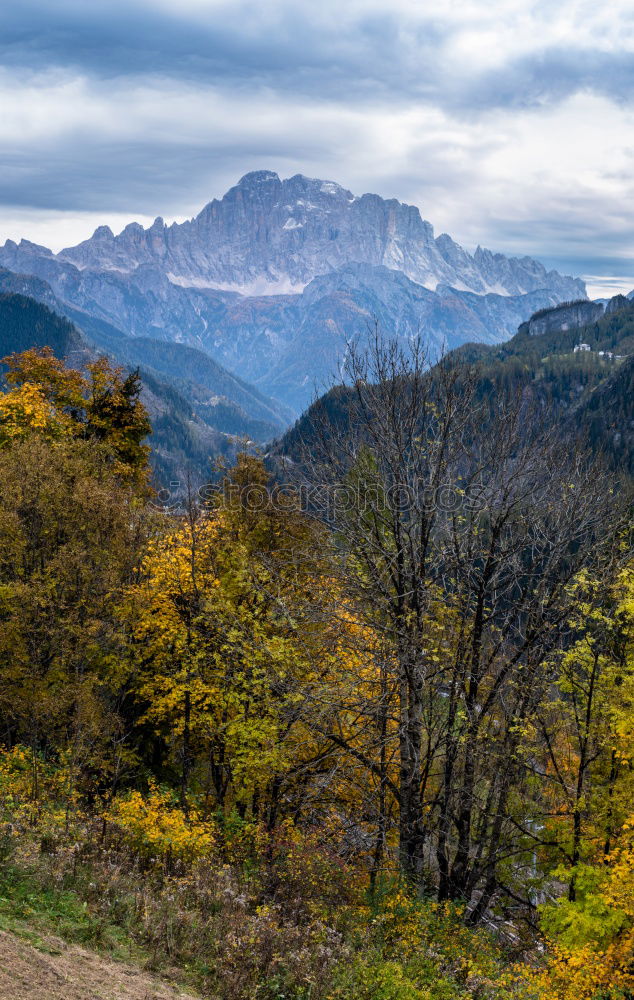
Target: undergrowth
column 225, row 906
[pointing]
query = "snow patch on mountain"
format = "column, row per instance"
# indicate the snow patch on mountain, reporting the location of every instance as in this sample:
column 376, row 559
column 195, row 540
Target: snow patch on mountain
column 273, row 280
column 273, row 231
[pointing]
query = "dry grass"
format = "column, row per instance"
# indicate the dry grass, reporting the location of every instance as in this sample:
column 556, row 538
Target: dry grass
column 55, row 970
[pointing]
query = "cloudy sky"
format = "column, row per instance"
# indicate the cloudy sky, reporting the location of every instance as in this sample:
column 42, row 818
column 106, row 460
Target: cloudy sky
column 509, row 122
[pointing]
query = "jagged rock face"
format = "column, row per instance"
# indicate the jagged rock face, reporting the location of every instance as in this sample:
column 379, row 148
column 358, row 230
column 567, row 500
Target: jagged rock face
column 616, row 304
column 290, row 346
column 275, row 279
column 562, row 317
column 272, row 235
column 570, row 315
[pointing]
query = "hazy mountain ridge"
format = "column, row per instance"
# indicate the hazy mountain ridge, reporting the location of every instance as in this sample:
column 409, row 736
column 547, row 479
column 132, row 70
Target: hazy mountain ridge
column 182, row 443
column 199, row 411
column 343, row 307
column 287, row 345
column 325, row 265
column 280, row 234
column 171, row 358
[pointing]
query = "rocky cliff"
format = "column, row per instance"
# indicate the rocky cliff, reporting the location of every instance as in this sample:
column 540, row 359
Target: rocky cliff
column 274, row 279
column 565, row 316
column 268, row 234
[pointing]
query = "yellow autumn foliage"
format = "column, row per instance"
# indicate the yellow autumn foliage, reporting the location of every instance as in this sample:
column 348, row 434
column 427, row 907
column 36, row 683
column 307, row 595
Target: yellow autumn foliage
column 155, row 827
column 36, row 793
column 26, row 409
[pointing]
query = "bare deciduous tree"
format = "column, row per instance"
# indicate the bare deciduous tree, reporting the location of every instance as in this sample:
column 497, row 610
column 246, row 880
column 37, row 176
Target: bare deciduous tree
column 460, row 523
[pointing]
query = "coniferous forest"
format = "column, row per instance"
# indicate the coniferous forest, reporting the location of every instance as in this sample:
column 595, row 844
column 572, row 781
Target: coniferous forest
column 351, row 722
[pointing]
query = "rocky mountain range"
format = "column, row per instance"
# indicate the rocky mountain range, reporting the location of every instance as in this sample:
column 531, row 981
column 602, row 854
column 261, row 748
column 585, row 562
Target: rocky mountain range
column 270, row 235
column 274, row 279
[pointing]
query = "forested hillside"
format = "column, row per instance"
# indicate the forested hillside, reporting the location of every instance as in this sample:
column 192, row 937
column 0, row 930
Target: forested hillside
column 199, row 411
column 25, row 324
column 362, row 736
column 585, row 394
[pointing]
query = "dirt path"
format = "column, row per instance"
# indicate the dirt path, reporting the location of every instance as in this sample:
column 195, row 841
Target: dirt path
column 71, row 973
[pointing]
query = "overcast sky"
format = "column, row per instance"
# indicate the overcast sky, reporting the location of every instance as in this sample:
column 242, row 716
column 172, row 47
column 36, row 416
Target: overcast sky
column 509, row 123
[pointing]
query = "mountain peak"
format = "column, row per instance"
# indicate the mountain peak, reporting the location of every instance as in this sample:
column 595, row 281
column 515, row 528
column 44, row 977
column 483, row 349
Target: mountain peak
column 315, row 183
column 257, row 177
column 617, row 303
column 28, row 246
column 272, row 235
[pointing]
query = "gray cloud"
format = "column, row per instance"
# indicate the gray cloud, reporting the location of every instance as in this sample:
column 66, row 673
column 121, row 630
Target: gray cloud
column 246, row 44
column 506, row 123
column 549, row 76
column 308, row 49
